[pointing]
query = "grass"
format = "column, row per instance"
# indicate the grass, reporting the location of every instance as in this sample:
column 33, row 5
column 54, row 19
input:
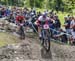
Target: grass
column 6, row 38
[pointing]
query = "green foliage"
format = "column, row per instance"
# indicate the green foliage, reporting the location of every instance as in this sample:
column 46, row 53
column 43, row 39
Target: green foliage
column 12, row 2
column 67, row 5
column 36, row 3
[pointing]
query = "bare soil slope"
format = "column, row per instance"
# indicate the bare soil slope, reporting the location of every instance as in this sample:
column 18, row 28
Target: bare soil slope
column 30, row 49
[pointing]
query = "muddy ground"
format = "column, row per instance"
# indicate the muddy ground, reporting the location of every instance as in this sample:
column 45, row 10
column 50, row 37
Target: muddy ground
column 30, row 49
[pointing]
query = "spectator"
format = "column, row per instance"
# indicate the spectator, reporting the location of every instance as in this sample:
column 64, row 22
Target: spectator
column 57, row 24
column 3, row 12
column 7, row 11
column 67, row 25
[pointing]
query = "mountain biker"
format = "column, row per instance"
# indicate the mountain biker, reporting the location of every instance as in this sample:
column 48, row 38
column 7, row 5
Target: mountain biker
column 43, row 19
column 20, row 20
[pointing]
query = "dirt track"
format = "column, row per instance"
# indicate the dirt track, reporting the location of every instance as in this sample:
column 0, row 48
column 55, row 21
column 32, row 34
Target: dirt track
column 31, row 50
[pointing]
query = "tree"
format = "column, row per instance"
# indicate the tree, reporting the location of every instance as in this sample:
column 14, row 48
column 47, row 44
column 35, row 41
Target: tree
column 36, row 3
column 58, row 4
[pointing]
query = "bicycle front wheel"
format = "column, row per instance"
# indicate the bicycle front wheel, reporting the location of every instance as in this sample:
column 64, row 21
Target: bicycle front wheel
column 47, row 41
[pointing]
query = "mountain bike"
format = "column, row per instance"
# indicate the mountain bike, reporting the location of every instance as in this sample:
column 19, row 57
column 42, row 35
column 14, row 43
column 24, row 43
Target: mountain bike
column 21, row 32
column 45, row 41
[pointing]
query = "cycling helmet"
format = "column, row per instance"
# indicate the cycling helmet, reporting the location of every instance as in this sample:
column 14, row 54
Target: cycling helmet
column 44, row 15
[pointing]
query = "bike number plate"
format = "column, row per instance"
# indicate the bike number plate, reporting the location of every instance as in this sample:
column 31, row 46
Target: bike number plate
column 21, row 24
column 46, row 26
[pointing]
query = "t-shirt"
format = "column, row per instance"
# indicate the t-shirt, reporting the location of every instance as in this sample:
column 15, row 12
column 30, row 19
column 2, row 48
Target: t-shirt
column 68, row 22
column 51, row 24
column 57, row 23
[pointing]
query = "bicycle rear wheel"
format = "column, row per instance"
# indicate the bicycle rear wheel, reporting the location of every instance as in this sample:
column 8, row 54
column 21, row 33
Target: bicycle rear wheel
column 22, row 36
column 22, row 33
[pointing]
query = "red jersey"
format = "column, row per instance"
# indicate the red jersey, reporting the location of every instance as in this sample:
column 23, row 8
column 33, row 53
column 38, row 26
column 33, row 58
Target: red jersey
column 19, row 18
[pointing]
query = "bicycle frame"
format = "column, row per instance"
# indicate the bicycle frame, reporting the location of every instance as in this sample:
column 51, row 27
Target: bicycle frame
column 45, row 39
column 22, row 34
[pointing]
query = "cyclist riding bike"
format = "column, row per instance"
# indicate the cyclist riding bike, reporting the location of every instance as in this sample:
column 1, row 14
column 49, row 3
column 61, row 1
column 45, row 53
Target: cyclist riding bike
column 44, row 31
column 43, row 19
column 20, row 20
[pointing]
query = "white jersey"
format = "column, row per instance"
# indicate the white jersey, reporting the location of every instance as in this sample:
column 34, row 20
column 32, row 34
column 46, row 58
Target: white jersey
column 43, row 19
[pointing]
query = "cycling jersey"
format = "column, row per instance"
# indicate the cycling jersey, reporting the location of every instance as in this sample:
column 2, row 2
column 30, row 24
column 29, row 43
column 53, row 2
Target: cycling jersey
column 42, row 20
column 18, row 18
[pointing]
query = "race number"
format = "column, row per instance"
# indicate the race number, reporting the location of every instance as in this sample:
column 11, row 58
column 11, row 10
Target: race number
column 46, row 26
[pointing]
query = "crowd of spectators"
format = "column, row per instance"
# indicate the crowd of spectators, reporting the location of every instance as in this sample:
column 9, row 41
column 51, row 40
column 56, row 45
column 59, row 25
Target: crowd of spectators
column 31, row 15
